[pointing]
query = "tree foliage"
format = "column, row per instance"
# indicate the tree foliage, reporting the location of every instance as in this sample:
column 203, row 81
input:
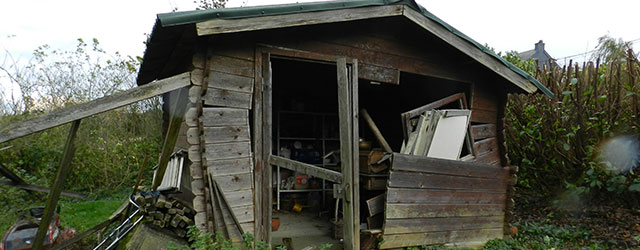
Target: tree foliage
column 110, row 147
column 562, row 142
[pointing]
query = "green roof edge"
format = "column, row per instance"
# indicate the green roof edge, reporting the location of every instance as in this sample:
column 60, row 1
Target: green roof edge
column 195, row 16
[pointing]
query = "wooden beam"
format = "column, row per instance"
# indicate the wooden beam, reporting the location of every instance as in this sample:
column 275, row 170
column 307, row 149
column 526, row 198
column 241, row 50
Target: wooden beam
column 177, row 116
column 437, row 104
column 219, row 26
column 16, row 180
column 79, row 111
column 469, row 49
column 305, row 168
column 37, row 188
column 61, row 175
column 375, row 130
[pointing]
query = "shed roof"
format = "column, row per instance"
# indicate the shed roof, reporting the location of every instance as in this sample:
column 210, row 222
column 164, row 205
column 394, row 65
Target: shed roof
column 178, row 22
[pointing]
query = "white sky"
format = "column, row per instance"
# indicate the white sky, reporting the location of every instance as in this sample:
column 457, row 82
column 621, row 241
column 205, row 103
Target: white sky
column 567, row 27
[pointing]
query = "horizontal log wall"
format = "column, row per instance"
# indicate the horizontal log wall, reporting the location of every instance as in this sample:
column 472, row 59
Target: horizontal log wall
column 434, row 201
column 220, row 141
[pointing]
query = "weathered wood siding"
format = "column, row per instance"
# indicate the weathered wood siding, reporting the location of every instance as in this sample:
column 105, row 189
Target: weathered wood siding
column 220, row 143
column 434, row 201
column 485, row 104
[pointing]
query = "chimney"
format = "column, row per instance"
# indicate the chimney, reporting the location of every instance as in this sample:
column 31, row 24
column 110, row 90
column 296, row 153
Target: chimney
column 540, row 46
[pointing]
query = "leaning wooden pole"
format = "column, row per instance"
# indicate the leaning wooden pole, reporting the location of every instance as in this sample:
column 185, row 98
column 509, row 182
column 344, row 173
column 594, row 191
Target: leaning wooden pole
column 177, row 115
column 56, row 188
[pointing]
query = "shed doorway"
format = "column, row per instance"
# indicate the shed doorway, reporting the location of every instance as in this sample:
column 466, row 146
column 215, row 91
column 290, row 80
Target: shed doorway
column 306, row 132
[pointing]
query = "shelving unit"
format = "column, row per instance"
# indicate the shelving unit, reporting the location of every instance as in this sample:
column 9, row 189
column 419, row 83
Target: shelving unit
column 319, row 133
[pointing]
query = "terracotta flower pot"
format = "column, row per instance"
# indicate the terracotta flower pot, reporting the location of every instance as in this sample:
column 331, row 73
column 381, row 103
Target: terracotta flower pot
column 275, row 224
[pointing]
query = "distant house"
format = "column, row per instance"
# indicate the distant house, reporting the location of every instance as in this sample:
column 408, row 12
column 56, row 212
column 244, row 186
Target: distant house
column 539, row 54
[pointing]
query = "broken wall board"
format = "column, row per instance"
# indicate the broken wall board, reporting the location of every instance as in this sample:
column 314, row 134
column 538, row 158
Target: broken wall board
column 227, row 98
column 409, row 163
column 478, row 237
column 401, row 179
column 230, row 166
column 231, row 133
column 227, row 150
column 402, row 226
column 435, row 196
column 438, row 198
column 212, row 117
column 220, row 80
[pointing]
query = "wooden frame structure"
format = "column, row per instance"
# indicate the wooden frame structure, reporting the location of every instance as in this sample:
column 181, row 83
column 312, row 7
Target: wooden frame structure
column 75, row 114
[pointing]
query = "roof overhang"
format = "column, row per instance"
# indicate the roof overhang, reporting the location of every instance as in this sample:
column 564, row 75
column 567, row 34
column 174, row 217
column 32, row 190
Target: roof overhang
column 224, row 21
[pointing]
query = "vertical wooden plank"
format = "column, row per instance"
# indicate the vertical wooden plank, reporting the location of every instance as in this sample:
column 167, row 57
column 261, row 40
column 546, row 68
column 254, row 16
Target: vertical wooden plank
column 355, row 169
column 345, row 117
column 259, row 166
column 177, row 115
column 61, row 175
column 266, row 143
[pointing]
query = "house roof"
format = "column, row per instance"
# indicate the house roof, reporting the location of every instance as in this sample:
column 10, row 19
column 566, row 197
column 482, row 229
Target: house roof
column 170, row 27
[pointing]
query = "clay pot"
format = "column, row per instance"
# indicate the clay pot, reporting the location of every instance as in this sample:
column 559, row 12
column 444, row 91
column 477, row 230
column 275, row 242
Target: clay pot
column 275, row 224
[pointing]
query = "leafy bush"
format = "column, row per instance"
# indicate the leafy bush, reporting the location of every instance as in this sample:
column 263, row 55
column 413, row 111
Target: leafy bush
column 565, row 140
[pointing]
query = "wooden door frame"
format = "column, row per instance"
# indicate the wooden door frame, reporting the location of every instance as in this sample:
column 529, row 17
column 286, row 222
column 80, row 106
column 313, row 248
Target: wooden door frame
column 262, row 131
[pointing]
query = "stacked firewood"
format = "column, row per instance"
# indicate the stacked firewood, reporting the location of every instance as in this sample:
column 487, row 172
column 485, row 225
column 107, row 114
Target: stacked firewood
column 165, row 212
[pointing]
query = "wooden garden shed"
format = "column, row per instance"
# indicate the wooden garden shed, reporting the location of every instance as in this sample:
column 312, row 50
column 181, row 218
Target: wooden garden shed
column 264, row 77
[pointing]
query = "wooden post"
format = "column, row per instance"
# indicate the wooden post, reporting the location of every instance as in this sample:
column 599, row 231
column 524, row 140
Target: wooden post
column 267, row 122
column 177, row 115
column 61, row 175
column 355, row 147
column 346, row 115
column 376, row 131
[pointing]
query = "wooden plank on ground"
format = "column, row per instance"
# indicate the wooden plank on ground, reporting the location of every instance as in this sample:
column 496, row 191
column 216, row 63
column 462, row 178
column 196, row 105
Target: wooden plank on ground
column 413, row 225
column 230, row 166
column 482, row 131
column 227, row 150
column 305, row 168
column 212, row 117
column 61, row 175
column 227, row 98
column 37, row 188
column 79, row 111
column 438, row 196
column 433, row 181
column 232, row 133
column 221, row 25
column 406, row 211
column 220, row 80
column 402, row 162
column 433, row 238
